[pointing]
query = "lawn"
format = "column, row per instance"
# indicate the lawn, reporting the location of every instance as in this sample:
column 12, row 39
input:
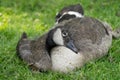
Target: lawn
column 35, row 17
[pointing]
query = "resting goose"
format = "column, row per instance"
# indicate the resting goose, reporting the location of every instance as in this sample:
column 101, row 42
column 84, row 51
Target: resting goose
column 69, row 45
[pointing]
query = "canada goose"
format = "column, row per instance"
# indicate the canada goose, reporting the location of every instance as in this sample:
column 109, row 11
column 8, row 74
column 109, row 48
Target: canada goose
column 91, row 37
column 69, row 12
column 34, row 53
column 63, row 53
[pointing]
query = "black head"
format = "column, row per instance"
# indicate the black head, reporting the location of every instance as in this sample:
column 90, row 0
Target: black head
column 71, row 11
column 59, row 37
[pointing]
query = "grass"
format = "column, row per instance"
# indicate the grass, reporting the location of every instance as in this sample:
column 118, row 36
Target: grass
column 36, row 17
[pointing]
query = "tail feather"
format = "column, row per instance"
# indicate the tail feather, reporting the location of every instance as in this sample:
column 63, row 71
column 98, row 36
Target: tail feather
column 24, row 35
column 22, row 41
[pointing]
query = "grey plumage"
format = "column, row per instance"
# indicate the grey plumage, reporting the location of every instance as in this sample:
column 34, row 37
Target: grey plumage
column 90, row 36
column 34, row 53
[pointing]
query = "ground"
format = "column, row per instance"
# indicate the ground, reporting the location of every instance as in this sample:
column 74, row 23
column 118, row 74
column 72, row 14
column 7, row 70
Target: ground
column 35, row 17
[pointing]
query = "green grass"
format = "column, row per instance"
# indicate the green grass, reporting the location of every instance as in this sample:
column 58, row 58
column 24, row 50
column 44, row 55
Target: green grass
column 36, row 17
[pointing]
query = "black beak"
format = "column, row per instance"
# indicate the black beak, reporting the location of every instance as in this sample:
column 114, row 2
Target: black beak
column 71, row 46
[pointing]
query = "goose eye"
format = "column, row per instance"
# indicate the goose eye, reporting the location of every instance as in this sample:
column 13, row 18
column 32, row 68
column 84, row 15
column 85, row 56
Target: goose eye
column 64, row 34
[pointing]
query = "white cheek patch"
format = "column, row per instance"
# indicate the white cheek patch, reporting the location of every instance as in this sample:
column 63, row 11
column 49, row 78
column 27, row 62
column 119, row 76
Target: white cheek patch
column 79, row 15
column 57, row 37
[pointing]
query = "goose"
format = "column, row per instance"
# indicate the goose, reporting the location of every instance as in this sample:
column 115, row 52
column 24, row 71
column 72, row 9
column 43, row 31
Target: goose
column 61, row 50
column 65, row 55
column 91, row 38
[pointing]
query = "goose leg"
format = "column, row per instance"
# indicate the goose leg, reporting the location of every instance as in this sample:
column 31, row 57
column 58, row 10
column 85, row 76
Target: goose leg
column 115, row 33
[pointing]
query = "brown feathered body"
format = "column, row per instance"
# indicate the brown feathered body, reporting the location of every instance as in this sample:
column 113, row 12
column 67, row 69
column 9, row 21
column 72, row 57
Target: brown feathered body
column 91, row 37
column 34, row 53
